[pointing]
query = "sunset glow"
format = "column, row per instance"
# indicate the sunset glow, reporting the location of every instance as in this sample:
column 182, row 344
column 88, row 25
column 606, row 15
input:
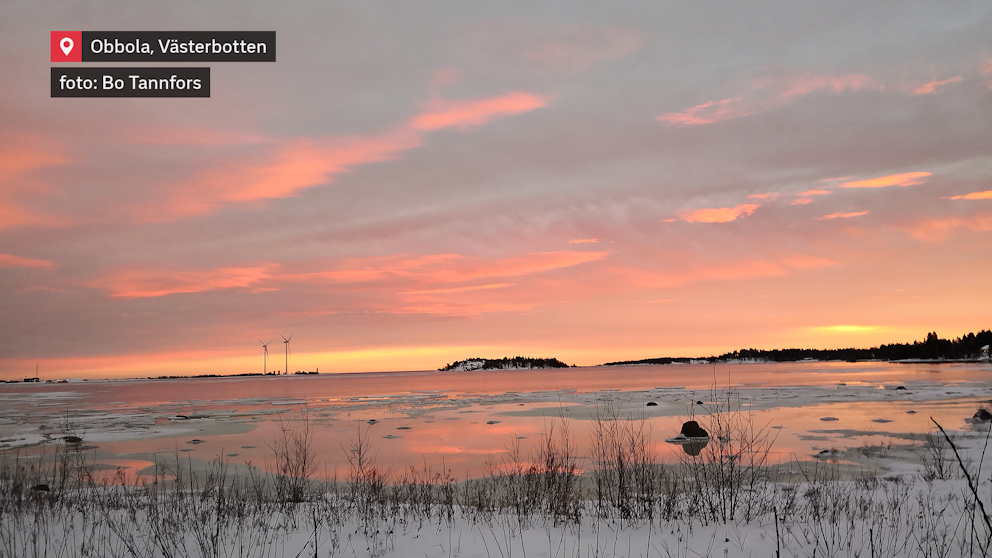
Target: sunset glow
column 404, row 188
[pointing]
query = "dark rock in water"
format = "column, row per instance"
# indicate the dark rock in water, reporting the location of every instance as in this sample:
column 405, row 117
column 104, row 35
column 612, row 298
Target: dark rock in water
column 910, row 412
column 900, row 388
column 40, row 488
column 983, row 415
column 195, row 441
column 692, row 429
column 492, row 422
column 372, row 421
column 652, row 404
column 73, row 440
column 699, row 402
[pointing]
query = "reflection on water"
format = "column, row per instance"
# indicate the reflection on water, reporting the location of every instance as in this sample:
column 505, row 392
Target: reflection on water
column 465, row 419
column 693, row 448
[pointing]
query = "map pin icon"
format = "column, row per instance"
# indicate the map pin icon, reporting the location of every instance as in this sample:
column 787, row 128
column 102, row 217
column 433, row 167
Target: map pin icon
column 66, row 45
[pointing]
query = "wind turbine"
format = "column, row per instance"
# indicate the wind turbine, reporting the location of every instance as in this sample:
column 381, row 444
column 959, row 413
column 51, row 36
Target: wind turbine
column 265, row 357
column 286, row 341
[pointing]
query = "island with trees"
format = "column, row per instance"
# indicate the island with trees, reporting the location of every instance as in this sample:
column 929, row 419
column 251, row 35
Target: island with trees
column 515, row 363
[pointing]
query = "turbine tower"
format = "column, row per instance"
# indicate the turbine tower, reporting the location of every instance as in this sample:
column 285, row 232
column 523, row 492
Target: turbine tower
column 265, row 357
column 286, row 341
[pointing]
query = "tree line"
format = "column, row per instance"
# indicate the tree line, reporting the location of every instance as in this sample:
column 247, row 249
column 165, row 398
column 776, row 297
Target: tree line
column 932, row 348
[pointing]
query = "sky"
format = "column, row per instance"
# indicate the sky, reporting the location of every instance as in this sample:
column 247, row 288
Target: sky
column 415, row 183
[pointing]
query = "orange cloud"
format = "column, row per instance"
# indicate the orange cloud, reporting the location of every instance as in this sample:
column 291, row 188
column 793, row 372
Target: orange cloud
column 10, row 260
column 583, row 240
column 154, row 282
column 986, row 195
column 802, row 201
column 765, row 196
column 902, row 179
column 462, row 114
column 709, row 112
column 814, row 193
column 842, row 215
column 935, row 85
column 717, row 215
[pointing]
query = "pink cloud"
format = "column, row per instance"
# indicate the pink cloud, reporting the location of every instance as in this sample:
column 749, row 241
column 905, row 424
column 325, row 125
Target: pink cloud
column 18, row 166
column 283, row 168
column 802, row 261
column 842, row 215
column 935, row 85
column 986, row 195
column 460, row 289
column 717, row 215
column 933, row 230
column 445, row 77
column 734, row 271
column 765, row 196
column 805, row 200
column 445, row 268
column 10, row 260
column 766, row 94
column 468, row 309
column 808, row 83
column 148, row 282
column 583, row 240
column 709, row 112
column 194, row 136
column 462, row 114
column 902, row 179
column 577, row 48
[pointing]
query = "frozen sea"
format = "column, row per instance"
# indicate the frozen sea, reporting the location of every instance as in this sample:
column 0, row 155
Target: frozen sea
column 463, row 420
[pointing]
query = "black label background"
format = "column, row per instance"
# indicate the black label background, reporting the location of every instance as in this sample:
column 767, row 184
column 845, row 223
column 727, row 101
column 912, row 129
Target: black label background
column 203, row 74
column 152, row 37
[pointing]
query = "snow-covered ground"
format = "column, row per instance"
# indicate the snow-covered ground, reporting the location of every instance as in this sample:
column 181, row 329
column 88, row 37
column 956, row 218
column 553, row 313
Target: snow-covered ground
column 839, row 469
